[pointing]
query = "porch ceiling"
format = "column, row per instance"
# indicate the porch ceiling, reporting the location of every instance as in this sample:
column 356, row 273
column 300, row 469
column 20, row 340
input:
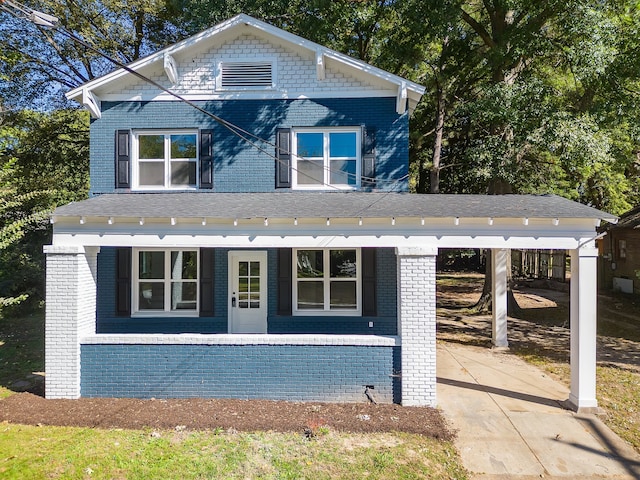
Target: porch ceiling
column 329, row 205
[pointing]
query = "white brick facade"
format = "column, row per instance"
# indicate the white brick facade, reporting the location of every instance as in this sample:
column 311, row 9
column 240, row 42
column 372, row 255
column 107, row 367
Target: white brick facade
column 294, row 72
column 417, row 324
column 70, row 315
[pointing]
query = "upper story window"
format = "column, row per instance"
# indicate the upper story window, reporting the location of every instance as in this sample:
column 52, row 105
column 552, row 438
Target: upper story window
column 326, row 158
column 246, row 75
column 165, row 160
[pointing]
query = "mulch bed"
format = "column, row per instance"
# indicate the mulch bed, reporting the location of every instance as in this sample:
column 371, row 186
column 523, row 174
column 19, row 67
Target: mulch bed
column 225, row 414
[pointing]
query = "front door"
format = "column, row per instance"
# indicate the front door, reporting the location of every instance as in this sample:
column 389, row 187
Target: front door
column 247, row 292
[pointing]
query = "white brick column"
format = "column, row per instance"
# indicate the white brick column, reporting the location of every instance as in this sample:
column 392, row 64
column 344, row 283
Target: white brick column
column 583, row 311
column 417, row 324
column 70, row 314
column 499, row 297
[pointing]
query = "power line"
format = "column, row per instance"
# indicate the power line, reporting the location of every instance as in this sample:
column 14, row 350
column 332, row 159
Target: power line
column 42, row 20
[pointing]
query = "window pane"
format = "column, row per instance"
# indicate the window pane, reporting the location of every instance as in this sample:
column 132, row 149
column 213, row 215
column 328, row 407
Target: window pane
column 342, row 296
column 310, row 144
column 243, row 284
column 183, row 173
column 151, row 173
column 151, row 265
column 310, row 172
column 310, row 295
column 183, row 146
column 184, row 265
column 342, row 144
column 310, row 264
column 151, row 146
column 254, row 286
column 151, row 296
column 184, row 295
column 343, row 263
column 243, row 300
column 343, row 172
column 243, row 268
column 254, row 269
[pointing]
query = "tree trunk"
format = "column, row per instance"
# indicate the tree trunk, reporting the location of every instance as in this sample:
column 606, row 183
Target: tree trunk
column 434, row 184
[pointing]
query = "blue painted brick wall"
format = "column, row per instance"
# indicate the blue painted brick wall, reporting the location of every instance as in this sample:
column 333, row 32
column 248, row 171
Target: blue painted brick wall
column 277, row 372
column 385, row 323
column 238, row 166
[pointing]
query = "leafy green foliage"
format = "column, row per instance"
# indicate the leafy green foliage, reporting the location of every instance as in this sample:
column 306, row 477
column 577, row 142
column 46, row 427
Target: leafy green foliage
column 45, row 164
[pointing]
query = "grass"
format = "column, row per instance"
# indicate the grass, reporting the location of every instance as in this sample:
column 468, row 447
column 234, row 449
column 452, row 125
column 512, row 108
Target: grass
column 61, row 452
column 21, row 351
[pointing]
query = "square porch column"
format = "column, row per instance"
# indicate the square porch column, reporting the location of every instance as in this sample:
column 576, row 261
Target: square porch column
column 499, row 297
column 70, row 314
column 417, row 324
column 583, row 312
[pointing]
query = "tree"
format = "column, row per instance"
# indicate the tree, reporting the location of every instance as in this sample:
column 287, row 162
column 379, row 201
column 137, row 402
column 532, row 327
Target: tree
column 45, row 164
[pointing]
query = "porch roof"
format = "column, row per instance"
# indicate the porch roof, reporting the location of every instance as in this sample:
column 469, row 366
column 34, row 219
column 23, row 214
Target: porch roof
column 328, row 204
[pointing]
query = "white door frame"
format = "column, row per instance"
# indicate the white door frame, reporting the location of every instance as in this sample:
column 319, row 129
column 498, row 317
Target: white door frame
column 246, row 320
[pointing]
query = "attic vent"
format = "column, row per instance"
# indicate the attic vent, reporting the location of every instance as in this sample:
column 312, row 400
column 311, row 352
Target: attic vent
column 246, row 75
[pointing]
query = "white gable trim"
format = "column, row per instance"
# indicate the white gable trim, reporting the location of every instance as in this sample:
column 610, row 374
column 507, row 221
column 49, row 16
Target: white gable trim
column 171, row 68
column 414, row 90
column 320, row 65
column 91, row 102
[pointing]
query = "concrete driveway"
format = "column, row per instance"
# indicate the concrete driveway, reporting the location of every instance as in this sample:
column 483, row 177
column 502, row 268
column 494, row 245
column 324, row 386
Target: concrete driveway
column 511, row 422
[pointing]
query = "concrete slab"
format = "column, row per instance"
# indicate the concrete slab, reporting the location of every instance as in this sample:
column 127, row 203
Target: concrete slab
column 511, row 423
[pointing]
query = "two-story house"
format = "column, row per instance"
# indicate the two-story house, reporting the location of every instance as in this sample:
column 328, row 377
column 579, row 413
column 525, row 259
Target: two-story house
column 255, row 237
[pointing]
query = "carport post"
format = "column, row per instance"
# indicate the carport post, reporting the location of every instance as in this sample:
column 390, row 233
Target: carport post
column 584, row 292
column 499, row 297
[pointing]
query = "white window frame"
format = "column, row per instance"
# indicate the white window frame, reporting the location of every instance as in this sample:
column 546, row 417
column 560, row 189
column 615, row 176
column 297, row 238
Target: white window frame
column 167, row 281
column 326, row 311
column 326, row 181
column 241, row 59
column 135, row 159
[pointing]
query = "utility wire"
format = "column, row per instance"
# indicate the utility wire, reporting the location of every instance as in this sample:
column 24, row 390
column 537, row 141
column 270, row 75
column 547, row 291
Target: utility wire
column 44, row 20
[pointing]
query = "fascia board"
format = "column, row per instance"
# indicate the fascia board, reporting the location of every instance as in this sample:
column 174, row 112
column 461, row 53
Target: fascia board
column 267, row 29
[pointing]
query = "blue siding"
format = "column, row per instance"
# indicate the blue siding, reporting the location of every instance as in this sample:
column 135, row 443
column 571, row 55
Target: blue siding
column 240, row 167
column 383, row 324
column 277, row 372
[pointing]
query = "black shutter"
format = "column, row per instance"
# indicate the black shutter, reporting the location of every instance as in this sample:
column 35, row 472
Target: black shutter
column 284, row 281
column 368, row 157
column 123, row 159
column 283, row 156
column 123, row 282
column 206, row 159
column 207, row 264
column 369, row 301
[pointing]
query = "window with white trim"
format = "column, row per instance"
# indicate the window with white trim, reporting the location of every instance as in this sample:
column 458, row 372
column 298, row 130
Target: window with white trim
column 165, row 159
column 326, row 281
column 326, row 158
column 165, row 281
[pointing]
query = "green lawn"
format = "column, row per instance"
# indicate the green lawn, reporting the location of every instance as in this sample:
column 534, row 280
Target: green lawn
column 60, row 452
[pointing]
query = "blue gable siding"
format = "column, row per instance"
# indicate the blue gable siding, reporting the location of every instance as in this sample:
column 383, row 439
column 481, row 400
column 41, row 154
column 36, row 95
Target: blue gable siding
column 239, row 167
column 385, row 323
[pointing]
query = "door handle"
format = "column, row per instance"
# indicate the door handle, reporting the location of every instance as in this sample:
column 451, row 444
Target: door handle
column 233, row 301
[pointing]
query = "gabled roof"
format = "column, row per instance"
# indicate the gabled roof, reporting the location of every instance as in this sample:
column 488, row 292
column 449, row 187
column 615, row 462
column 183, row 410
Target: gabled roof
column 407, row 91
column 630, row 219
